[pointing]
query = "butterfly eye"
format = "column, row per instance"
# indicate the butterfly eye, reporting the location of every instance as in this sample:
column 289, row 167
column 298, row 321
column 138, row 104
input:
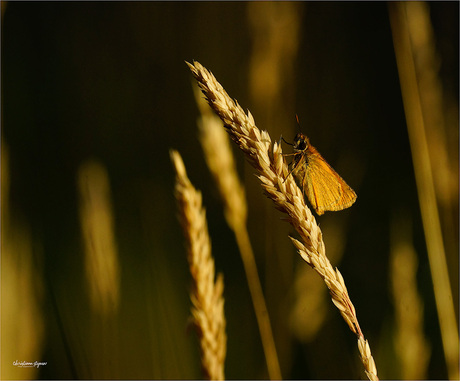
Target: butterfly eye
column 300, row 142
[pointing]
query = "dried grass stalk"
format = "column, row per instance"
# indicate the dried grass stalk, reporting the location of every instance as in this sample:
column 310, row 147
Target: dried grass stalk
column 288, row 198
column 206, row 296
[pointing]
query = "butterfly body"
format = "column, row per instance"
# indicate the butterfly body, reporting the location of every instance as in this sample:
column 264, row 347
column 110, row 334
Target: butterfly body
column 325, row 189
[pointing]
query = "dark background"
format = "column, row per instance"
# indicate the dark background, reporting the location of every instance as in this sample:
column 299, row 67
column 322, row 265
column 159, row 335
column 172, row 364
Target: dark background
column 108, row 81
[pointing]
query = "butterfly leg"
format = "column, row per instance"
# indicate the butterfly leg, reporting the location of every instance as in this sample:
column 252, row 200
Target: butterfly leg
column 294, row 167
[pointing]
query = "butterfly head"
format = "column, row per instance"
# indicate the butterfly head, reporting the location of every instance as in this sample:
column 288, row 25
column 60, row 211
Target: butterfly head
column 301, row 142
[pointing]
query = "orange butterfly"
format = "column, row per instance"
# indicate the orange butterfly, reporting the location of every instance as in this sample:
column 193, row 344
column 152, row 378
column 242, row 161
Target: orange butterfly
column 325, row 189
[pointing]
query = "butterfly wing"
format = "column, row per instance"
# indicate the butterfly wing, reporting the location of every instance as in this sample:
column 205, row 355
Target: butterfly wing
column 325, row 189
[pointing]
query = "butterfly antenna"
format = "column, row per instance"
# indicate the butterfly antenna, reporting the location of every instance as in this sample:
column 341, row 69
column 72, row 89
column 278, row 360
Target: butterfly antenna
column 297, row 119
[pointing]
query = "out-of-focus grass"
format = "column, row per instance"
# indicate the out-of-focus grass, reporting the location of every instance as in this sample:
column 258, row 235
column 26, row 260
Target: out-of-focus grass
column 22, row 323
column 422, row 97
column 411, row 346
column 101, row 257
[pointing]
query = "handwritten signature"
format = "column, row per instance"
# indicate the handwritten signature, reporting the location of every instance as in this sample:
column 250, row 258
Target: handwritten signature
column 26, row 364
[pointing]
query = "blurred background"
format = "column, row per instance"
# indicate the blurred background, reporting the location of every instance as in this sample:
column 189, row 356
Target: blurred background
column 93, row 97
